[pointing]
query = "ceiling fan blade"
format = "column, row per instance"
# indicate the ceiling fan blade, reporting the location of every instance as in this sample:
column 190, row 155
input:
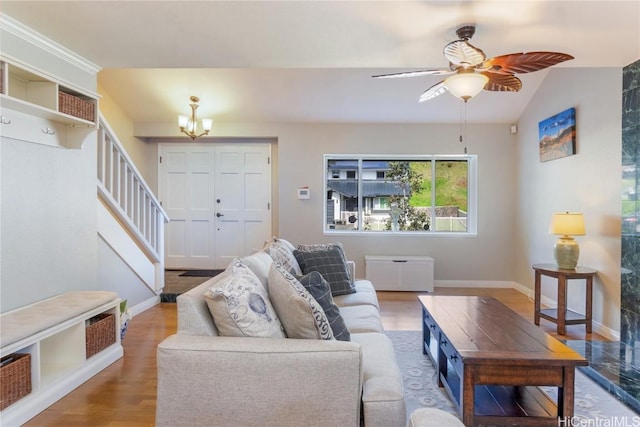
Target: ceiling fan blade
column 524, row 62
column 439, row 72
column 461, row 52
column 435, row 90
column 502, row 82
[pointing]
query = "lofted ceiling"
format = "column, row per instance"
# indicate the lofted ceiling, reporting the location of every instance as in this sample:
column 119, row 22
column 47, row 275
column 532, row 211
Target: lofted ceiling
column 312, row 60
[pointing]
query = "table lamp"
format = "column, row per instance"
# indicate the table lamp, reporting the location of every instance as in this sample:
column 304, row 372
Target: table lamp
column 566, row 249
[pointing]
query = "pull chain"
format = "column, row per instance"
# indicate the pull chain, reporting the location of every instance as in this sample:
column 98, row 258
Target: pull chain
column 463, row 129
column 465, row 126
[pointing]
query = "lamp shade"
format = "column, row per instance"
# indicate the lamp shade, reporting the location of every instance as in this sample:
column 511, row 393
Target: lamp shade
column 206, row 124
column 567, row 224
column 466, row 85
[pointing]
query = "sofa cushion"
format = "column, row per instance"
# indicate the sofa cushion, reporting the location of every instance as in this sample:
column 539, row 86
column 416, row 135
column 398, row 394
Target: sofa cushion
column 362, row 318
column 382, row 397
column 240, row 305
column 365, row 295
column 282, row 252
column 301, row 315
column 331, row 264
column 321, row 291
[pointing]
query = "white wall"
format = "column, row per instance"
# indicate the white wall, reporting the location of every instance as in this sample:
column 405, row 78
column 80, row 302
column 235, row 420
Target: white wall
column 48, row 221
column 588, row 182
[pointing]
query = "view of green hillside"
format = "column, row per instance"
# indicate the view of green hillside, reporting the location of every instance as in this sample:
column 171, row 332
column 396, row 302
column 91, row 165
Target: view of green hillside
column 451, row 184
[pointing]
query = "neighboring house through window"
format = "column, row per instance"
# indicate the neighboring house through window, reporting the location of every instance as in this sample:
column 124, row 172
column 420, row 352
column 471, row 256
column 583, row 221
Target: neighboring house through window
column 406, row 194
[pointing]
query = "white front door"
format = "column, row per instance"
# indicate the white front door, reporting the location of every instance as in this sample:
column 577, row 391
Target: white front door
column 243, row 200
column 186, row 184
column 217, row 197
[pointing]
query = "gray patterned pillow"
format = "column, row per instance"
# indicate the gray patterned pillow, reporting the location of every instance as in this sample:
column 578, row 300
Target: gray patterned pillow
column 240, row 305
column 331, row 264
column 301, row 315
column 324, row 247
column 321, row 291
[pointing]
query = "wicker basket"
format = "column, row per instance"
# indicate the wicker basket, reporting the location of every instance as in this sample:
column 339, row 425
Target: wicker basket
column 15, row 379
column 76, row 106
column 100, row 333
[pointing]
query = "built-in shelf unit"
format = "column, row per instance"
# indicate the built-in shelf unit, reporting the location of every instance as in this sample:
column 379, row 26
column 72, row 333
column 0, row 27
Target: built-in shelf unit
column 41, row 109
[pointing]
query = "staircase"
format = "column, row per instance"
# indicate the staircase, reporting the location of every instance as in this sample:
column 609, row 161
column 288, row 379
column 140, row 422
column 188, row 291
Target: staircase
column 130, row 218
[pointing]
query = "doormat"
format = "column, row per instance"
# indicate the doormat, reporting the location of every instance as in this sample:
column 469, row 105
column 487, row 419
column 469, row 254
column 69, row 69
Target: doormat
column 201, row 273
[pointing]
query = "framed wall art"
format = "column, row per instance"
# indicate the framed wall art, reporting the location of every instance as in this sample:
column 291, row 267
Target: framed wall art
column 557, row 135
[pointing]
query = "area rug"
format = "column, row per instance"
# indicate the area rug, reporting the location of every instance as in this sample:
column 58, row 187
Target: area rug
column 593, row 405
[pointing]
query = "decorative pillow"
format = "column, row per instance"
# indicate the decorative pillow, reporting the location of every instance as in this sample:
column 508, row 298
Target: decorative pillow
column 240, row 305
column 300, row 313
column 331, row 264
column 324, row 247
column 259, row 263
column 282, row 253
column 321, row 291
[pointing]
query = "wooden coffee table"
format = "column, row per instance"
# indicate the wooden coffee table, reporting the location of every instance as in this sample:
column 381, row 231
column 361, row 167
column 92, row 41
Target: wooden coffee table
column 491, row 361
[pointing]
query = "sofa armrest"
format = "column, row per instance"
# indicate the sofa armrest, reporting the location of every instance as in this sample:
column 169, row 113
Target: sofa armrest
column 258, row 382
column 351, row 265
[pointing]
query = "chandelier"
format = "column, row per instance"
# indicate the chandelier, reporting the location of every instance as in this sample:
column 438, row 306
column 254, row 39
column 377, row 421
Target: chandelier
column 189, row 125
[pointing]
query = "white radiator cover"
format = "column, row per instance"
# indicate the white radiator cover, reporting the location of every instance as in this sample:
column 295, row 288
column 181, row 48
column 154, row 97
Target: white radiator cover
column 400, row 272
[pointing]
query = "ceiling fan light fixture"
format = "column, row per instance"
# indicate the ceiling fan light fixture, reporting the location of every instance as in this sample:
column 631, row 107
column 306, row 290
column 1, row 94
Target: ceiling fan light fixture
column 466, row 85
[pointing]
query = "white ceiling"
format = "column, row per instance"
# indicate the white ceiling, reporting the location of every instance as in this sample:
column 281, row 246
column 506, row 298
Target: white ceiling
column 312, row 60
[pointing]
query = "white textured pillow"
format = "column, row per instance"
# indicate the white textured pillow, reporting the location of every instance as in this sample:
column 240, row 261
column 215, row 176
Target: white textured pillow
column 282, row 253
column 301, row 315
column 240, row 305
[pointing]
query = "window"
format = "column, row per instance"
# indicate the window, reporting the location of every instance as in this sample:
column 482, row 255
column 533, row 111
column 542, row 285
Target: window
column 418, row 194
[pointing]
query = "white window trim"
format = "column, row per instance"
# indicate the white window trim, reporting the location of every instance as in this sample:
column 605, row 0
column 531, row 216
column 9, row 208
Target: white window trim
column 472, row 214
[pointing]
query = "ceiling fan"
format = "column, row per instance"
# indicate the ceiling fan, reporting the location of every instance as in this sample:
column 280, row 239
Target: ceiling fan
column 471, row 71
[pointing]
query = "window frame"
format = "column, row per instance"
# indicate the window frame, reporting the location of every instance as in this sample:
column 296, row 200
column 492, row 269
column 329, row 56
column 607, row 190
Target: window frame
column 472, row 192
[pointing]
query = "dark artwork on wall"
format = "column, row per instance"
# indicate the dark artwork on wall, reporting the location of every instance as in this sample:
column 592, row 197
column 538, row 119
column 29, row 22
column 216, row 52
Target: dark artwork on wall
column 557, row 135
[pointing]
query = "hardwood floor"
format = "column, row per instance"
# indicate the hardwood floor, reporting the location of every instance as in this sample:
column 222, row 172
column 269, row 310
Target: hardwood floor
column 124, row 394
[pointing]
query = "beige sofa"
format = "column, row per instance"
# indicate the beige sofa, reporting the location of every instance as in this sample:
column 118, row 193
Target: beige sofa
column 207, row 379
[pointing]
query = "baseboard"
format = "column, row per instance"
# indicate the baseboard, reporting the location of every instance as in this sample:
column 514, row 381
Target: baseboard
column 474, row 284
column 144, row 305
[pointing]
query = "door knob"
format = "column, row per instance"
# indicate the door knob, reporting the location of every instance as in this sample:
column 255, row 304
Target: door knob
column 219, row 214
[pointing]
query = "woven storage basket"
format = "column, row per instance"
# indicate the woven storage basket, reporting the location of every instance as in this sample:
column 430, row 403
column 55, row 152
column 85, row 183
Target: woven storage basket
column 15, row 379
column 100, row 333
column 76, row 106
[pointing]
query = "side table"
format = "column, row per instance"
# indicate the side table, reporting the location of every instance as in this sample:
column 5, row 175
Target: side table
column 562, row 316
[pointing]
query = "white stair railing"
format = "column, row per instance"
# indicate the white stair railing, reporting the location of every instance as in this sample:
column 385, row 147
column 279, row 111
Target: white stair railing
column 122, row 188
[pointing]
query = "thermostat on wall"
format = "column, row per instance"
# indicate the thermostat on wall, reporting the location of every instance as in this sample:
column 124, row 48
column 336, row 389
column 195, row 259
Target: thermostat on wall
column 304, row 193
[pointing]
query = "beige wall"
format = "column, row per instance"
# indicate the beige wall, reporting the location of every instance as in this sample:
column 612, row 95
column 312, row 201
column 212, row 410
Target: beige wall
column 487, row 257
column 122, row 125
column 588, row 182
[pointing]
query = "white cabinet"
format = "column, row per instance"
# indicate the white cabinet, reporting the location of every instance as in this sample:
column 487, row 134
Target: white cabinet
column 400, row 273
column 40, row 109
column 59, row 361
